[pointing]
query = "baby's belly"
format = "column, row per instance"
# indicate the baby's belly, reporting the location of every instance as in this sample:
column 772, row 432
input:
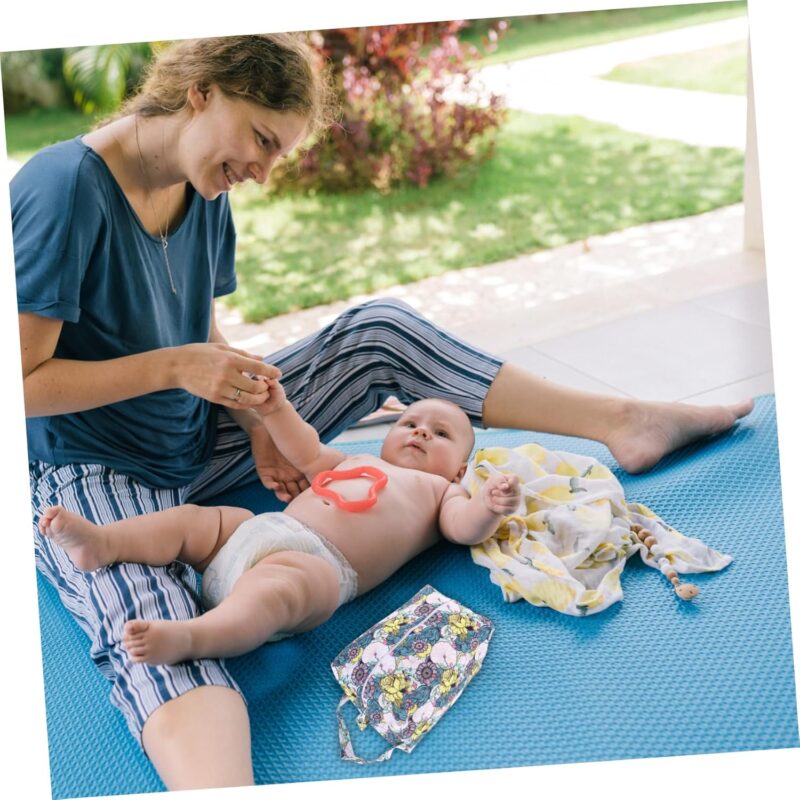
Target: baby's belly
column 376, row 542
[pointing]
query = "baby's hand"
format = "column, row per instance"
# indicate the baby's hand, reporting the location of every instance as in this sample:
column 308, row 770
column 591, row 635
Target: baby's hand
column 275, row 395
column 501, row 493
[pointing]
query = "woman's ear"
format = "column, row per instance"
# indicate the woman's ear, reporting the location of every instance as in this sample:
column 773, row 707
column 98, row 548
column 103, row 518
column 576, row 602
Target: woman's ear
column 198, row 95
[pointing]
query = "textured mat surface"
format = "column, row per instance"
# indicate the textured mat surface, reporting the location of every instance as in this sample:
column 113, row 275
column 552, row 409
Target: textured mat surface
column 652, row 676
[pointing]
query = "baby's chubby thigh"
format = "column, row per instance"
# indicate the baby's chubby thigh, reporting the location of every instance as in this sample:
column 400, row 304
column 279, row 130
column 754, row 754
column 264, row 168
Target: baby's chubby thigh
column 297, row 591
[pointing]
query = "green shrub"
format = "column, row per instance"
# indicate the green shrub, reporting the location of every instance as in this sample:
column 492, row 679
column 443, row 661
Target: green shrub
column 32, row 79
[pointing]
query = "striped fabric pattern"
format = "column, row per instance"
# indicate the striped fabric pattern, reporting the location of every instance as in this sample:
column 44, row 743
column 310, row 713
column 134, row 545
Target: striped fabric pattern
column 102, row 601
column 334, row 378
column 345, row 371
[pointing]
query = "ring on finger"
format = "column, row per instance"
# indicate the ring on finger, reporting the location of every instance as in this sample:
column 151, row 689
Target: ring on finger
column 237, row 394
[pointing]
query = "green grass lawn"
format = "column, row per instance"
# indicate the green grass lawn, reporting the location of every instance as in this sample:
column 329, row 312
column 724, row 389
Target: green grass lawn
column 553, row 180
column 29, row 132
column 531, row 36
column 714, row 69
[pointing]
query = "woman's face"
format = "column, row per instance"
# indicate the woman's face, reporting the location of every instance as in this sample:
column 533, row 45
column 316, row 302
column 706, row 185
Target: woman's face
column 229, row 140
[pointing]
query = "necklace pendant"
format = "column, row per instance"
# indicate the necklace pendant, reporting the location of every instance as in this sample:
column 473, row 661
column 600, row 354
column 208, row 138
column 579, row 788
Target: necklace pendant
column 164, row 245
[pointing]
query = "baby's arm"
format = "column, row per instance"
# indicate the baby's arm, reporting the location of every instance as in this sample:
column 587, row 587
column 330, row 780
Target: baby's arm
column 472, row 520
column 294, row 437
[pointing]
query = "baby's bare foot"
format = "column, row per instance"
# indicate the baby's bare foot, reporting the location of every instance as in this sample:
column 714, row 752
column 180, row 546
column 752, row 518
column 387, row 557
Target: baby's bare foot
column 649, row 431
column 85, row 543
column 157, row 641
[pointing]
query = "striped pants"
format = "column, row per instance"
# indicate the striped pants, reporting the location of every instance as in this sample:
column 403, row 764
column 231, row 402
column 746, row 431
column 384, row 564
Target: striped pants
column 333, row 378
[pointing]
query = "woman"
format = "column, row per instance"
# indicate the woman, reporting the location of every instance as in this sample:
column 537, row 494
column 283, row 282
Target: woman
column 123, row 238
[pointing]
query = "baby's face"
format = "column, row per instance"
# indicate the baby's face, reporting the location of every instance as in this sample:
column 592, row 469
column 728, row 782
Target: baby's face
column 433, row 436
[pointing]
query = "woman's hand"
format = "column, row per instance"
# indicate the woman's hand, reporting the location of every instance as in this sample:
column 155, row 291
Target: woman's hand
column 275, row 472
column 222, row 374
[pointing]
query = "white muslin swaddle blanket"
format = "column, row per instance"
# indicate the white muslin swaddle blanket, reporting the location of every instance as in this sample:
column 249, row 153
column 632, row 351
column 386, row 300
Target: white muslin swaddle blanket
column 567, row 543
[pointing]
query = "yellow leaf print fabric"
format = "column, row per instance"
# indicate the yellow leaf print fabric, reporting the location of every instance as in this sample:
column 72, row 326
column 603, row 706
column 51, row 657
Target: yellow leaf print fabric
column 566, row 544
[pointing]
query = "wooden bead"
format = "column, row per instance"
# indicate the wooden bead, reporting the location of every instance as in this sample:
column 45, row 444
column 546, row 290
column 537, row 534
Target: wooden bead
column 686, row 591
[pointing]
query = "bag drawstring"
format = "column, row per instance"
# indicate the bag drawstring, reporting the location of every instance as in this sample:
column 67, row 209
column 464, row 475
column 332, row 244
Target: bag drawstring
column 346, row 744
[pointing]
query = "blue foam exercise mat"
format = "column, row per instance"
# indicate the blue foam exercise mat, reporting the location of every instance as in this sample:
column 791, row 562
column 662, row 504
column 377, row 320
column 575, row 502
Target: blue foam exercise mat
column 651, row 676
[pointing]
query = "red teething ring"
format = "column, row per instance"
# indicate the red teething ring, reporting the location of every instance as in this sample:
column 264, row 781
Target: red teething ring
column 318, row 486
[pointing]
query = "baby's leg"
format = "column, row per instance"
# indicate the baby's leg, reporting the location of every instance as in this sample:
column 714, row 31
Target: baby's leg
column 285, row 592
column 189, row 533
column 86, row 544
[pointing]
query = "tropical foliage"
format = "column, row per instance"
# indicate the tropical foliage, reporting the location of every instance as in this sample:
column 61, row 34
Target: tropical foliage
column 100, row 76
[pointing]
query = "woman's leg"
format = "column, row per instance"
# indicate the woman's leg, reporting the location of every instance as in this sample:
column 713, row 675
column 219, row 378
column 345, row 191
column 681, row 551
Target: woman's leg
column 375, row 350
column 103, row 601
column 200, row 740
column 346, row 371
column 638, row 433
column 384, row 347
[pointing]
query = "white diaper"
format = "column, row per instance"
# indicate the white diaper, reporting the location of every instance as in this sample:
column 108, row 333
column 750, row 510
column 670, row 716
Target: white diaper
column 262, row 535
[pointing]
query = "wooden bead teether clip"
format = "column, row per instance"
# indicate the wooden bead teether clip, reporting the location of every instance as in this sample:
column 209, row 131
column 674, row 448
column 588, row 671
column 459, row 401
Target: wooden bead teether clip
column 686, row 591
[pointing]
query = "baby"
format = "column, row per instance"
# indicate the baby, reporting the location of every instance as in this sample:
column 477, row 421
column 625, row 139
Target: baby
column 272, row 575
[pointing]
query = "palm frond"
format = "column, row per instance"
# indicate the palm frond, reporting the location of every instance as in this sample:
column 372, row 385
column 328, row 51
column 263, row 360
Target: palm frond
column 99, row 75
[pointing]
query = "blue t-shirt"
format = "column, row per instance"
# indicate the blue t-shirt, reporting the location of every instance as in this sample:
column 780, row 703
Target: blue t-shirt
column 82, row 256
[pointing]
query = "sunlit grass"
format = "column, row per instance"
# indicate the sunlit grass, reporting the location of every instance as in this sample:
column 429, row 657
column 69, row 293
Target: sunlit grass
column 552, row 180
column 714, row 69
column 29, row 132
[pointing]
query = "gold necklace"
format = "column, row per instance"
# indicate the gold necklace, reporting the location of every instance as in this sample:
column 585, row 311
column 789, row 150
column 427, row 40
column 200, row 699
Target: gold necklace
column 162, row 234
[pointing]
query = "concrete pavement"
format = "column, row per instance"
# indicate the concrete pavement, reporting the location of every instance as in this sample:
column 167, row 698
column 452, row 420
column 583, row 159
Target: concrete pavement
column 569, row 83
column 551, row 292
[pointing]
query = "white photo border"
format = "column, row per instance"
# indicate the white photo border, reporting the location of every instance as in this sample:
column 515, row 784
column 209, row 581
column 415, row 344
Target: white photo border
column 776, row 59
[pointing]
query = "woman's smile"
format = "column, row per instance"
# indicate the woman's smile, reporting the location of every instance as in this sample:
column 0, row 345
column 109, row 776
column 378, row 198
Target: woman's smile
column 230, row 176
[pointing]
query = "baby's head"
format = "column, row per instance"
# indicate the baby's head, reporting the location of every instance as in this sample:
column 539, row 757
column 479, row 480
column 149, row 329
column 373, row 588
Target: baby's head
column 433, row 436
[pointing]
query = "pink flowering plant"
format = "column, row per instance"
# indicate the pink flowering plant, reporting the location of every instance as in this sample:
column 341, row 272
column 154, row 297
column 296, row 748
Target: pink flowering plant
column 411, row 109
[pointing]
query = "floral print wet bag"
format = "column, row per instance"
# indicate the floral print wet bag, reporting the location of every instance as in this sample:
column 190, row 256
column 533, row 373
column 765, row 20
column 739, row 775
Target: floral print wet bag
column 406, row 671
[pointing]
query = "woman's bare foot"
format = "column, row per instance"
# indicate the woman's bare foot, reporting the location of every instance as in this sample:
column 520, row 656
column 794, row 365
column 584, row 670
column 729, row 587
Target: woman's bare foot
column 158, row 641
column 649, row 431
column 85, row 543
